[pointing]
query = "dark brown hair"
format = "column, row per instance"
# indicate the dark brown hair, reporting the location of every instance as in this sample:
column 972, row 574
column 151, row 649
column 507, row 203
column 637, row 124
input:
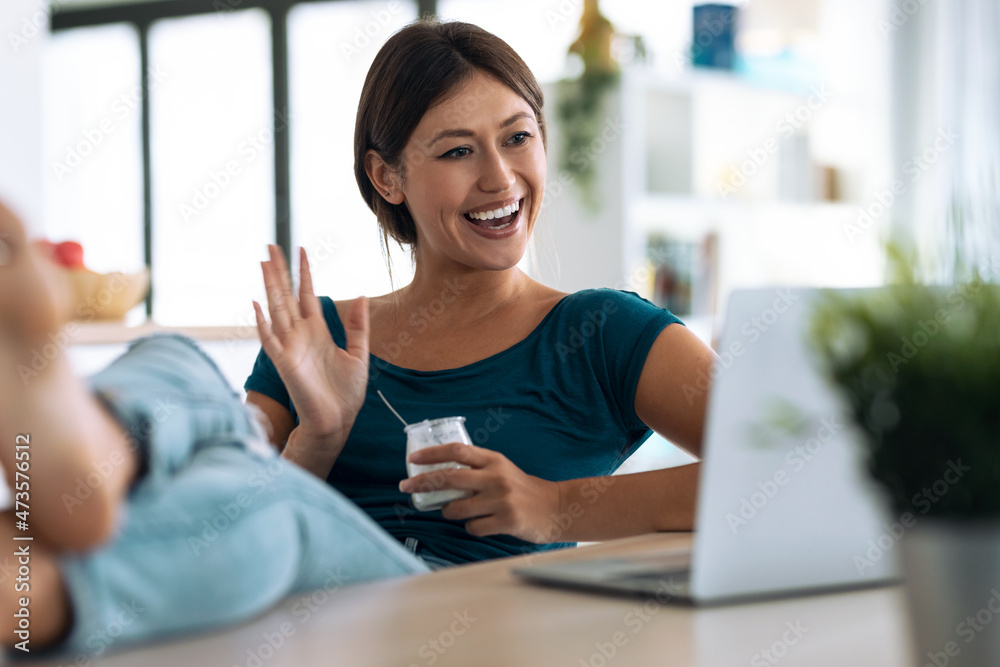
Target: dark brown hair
column 415, row 69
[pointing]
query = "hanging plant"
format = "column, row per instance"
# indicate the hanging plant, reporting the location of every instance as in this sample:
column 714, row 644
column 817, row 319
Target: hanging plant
column 581, row 102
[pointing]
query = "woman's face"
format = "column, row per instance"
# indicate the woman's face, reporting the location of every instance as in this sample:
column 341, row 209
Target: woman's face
column 471, row 161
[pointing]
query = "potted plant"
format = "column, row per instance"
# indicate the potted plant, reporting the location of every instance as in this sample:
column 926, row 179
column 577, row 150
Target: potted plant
column 919, row 367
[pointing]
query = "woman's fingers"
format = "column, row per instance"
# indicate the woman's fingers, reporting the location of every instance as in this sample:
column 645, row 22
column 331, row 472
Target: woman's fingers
column 472, row 507
column 462, row 479
column 357, row 329
column 268, row 340
column 288, row 314
column 487, row 525
column 284, row 281
column 277, row 307
column 470, row 455
column 281, row 302
column 308, row 303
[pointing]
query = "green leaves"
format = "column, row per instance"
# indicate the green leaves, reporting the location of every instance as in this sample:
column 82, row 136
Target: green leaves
column 920, row 369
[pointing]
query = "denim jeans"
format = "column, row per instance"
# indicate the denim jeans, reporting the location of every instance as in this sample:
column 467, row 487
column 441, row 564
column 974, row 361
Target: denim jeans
column 217, row 527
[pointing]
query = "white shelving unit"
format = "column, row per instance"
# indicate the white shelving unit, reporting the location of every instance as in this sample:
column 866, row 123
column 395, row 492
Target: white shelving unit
column 677, row 141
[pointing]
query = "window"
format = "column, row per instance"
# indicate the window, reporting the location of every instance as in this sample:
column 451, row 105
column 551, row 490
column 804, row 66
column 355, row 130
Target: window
column 331, row 47
column 222, row 169
column 212, row 149
column 93, row 154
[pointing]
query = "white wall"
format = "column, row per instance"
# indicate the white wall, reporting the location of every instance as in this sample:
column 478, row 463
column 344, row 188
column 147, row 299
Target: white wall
column 575, row 248
column 23, row 32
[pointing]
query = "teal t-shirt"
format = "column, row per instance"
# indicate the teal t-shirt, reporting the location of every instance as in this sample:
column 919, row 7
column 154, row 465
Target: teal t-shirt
column 558, row 404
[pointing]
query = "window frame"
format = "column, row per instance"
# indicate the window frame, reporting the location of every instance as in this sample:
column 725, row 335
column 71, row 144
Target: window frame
column 142, row 15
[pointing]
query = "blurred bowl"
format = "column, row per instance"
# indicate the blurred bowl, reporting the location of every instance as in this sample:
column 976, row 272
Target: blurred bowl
column 107, row 296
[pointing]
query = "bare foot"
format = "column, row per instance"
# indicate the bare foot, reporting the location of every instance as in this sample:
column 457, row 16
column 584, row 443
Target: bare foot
column 35, row 293
column 68, row 433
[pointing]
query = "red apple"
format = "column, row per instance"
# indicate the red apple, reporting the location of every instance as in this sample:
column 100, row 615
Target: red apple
column 69, row 254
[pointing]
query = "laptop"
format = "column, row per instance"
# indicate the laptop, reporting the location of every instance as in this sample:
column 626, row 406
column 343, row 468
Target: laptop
column 785, row 506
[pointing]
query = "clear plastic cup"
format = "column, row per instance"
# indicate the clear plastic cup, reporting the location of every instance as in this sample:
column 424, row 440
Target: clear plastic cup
column 430, row 433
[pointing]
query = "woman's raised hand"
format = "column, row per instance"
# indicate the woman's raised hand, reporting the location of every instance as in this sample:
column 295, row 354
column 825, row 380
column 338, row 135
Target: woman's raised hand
column 327, row 384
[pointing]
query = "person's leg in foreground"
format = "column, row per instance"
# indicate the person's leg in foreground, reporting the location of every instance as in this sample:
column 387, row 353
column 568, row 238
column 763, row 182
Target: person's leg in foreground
column 151, row 508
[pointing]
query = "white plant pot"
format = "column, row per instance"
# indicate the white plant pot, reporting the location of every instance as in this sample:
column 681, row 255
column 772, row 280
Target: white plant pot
column 952, row 572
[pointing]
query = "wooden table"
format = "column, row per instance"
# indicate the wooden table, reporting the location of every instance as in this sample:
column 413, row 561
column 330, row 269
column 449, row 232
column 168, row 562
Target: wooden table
column 482, row 616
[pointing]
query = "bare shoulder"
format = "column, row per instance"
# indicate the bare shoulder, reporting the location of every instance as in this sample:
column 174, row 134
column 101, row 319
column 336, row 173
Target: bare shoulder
column 545, row 297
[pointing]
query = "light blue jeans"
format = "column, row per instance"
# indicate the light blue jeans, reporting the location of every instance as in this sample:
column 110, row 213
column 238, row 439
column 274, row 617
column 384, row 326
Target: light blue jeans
column 217, row 528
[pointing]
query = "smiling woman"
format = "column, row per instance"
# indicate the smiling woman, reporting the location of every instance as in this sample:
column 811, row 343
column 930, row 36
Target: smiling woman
column 450, row 146
column 196, row 522
column 491, row 159
column 417, row 70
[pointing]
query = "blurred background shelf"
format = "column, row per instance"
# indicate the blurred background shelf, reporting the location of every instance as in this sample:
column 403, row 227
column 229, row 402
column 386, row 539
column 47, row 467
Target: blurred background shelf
column 93, row 345
column 109, row 333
